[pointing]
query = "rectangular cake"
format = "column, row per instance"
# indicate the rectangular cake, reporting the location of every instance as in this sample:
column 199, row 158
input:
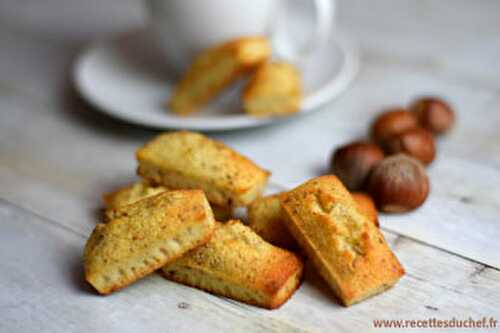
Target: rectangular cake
column 347, row 249
column 191, row 160
column 265, row 217
column 143, row 236
column 142, row 189
column 238, row 264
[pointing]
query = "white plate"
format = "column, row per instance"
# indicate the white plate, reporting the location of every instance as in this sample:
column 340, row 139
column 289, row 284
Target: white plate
column 126, row 78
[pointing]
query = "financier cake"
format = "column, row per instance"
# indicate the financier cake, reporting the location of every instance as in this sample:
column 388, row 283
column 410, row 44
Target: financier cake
column 237, row 263
column 265, row 217
column 215, row 69
column 274, row 90
column 191, row 160
column 142, row 189
column 144, row 236
column 347, row 249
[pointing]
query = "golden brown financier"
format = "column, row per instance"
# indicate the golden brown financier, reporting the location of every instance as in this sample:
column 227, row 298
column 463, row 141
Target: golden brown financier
column 129, row 194
column 274, row 90
column 265, row 217
column 237, row 263
column 347, row 249
column 191, row 160
column 141, row 190
column 142, row 237
column 215, row 69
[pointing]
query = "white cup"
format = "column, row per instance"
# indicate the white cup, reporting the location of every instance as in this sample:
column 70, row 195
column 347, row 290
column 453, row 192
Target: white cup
column 183, row 28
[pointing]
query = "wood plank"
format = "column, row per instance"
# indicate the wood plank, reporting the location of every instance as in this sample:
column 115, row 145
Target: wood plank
column 42, row 286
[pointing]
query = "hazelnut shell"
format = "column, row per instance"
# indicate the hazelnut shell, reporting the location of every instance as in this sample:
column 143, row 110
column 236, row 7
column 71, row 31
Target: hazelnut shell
column 433, row 114
column 416, row 142
column 398, row 184
column 353, row 163
column 391, row 123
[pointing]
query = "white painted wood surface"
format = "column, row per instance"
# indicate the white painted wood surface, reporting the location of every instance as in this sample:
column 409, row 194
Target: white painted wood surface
column 57, row 155
column 42, row 287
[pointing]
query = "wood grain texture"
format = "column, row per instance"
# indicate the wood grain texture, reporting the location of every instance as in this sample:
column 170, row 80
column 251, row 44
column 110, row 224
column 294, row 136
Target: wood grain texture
column 48, row 291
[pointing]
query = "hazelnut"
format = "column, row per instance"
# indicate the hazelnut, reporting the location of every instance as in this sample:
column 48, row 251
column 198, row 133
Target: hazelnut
column 433, row 114
column 352, row 163
column 416, row 142
column 399, row 184
column 391, row 123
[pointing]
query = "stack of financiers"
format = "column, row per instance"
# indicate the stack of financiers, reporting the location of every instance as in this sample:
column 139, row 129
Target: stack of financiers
column 167, row 221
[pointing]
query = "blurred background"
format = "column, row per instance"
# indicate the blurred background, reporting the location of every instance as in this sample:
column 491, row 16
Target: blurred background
column 456, row 37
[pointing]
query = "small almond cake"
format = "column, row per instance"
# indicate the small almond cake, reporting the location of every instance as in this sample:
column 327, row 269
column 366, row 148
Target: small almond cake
column 141, row 190
column 184, row 159
column 347, row 249
column 215, row 69
column 237, row 263
column 130, row 194
column 265, row 217
column 142, row 237
column 274, row 90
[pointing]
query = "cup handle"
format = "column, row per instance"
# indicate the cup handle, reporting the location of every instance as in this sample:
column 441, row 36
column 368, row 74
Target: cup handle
column 325, row 10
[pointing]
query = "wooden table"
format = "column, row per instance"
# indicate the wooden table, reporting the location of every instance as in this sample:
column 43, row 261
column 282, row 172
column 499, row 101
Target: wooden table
column 57, row 155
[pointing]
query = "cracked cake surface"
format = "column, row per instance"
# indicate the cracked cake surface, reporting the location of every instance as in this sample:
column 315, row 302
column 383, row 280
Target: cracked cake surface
column 347, row 249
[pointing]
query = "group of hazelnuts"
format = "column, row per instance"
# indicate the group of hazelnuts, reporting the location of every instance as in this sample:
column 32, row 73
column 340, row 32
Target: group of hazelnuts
column 390, row 166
